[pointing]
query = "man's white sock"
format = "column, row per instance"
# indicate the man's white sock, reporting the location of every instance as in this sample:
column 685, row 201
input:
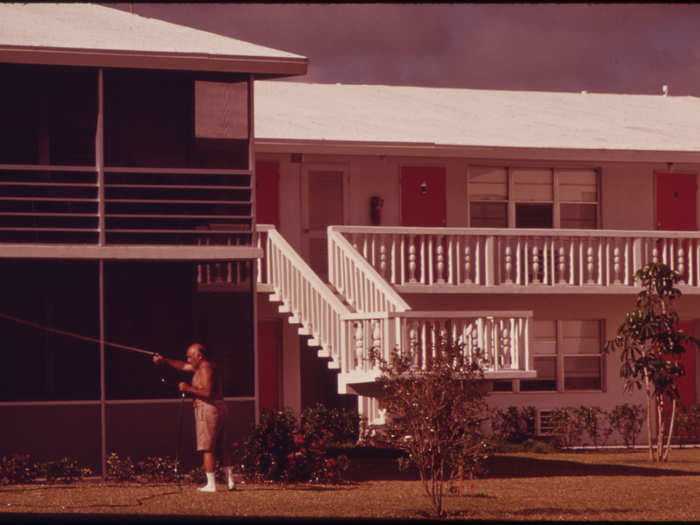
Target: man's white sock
column 211, row 483
column 229, row 477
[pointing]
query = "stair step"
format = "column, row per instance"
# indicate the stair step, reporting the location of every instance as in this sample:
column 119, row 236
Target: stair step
column 303, row 330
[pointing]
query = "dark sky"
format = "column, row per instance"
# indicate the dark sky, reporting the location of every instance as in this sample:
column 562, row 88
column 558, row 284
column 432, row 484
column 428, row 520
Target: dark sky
column 623, row 48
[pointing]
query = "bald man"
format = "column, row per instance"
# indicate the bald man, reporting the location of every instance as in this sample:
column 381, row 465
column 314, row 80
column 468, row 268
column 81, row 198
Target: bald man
column 209, row 410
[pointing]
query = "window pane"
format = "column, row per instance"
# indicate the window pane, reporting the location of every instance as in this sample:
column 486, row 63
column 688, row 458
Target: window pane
column 488, row 184
column 546, row 368
column 533, row 215
column 532, row 185
column 579, row 216
column 581, row 337
column 578, row 185
column 582, row 373
column 488, row 215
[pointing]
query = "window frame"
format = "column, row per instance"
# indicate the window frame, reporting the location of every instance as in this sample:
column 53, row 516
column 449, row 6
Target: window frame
column 556, row 200
column 561, row 356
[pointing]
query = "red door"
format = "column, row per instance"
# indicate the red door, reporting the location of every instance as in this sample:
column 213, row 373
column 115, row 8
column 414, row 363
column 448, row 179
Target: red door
column 423, row 197
column 267, row 193
column 675, row 201
column 269, row 363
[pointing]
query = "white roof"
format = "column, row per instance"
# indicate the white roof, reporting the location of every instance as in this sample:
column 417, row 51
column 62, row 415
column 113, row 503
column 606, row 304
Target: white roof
column 475, row 117
column 96, row 27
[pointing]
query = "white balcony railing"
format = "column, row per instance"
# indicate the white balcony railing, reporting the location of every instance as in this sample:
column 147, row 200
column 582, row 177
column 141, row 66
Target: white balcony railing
column 541, row 260
column 504, row 337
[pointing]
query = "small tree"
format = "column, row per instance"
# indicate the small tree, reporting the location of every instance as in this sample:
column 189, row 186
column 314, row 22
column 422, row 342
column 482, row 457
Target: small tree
column 435, row 414
column 651, row 345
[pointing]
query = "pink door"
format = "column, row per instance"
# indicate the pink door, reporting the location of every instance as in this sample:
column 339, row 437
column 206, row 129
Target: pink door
column 267, row 193
column 268, row 364
column 423, row 198
column 675, row 201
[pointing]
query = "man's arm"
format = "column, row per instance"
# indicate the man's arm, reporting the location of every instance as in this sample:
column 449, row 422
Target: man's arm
column 179, row 365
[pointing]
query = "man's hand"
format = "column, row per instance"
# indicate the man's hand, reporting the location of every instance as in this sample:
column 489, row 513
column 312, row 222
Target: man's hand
column 183, row 387
column 157, row 359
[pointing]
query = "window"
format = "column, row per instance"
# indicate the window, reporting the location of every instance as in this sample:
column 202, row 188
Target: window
column 567, row 357
column 533, row 198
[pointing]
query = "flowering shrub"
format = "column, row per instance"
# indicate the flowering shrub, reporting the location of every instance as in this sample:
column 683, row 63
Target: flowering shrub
column 65, row 470
column 278, row 449
column 18, row 468
column 342, row 424
column 119, row 469
column 157, row 469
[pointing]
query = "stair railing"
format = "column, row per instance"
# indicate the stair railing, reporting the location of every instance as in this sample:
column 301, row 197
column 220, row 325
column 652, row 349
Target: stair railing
column 303, row 293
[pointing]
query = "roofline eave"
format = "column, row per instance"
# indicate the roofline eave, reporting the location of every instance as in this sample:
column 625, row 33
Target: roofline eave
column 427, row 149
column 263, row 67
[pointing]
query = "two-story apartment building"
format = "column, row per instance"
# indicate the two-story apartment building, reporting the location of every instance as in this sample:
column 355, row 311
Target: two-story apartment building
column 126, row 179
column 528, row 209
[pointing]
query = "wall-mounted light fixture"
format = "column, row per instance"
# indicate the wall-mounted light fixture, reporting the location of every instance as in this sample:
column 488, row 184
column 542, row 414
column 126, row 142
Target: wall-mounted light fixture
column 423, row 188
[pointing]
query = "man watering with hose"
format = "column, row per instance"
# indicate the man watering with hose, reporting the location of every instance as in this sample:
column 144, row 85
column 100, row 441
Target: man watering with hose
column 209, row 410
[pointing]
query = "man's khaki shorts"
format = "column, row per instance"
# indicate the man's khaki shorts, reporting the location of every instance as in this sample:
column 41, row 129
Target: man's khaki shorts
column 210, row 424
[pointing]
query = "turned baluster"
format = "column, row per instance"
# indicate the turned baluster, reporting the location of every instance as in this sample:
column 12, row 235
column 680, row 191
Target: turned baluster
column 616, row 265
column 359, row 344
column 508, row 255
column 535, row 265
column 589, row 263
column 505, row 350
column 440, row 254
column 413, row 342
column 411, row 261
column 467, row 264
column 382, row 258
column 681, row 262
column 655, row 255
column 562, row 265
column 377, row 337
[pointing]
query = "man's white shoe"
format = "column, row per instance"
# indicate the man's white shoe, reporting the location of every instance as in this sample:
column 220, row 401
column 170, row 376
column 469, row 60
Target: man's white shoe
column 207, row 488
column 231, row 485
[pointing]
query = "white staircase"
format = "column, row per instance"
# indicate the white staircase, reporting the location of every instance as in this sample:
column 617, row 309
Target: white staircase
column 372, row 315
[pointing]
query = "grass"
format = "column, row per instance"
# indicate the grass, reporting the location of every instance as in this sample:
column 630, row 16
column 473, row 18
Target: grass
column 520, row 486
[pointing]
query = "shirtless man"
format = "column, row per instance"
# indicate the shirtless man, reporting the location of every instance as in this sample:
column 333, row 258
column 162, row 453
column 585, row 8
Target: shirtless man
column 209, row 410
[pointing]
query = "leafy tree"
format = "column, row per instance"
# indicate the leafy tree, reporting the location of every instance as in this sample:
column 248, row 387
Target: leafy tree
column 435, row 415
column 651, row 345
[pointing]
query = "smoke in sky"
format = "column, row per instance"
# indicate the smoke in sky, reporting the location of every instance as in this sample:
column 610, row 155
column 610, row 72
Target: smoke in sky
column 623, row 48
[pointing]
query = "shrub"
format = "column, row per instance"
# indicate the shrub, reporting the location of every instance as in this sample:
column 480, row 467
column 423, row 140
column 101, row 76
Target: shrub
column 119, row 469
column 65, row 470
column 18, row 468
column 595, row 422
column 279, row 450
column 343, row 425
column 566, row 427
column 157, row 469
column 688, row 420
column 515, row 424
column 627, row 420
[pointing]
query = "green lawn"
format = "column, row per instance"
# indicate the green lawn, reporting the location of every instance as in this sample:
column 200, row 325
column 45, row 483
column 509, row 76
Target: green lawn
column 524, row 486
